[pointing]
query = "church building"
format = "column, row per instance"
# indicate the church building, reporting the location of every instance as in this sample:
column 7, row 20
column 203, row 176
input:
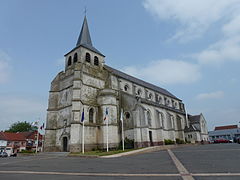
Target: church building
column 151, row 114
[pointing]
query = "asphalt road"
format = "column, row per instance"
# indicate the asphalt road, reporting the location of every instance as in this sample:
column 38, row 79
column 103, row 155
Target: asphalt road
column 203, row 162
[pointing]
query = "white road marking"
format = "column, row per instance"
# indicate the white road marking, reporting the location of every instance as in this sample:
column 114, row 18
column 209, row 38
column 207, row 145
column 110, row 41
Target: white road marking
column 182, row 170
column 216, row 174
column 86, row 174
column 115, row 174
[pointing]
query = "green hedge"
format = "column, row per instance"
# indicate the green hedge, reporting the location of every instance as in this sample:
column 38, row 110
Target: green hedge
column 27, row 151
column 128, row 144
column 168, row 141
column 179, row 141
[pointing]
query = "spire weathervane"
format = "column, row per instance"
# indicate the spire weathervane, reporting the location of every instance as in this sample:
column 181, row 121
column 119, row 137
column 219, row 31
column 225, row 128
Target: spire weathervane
column 85, row 10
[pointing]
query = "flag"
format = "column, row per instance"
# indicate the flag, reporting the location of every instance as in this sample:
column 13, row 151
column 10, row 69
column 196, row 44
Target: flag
column 42, row 127
column 121, row 116
column 82, row 119
column 106, row 114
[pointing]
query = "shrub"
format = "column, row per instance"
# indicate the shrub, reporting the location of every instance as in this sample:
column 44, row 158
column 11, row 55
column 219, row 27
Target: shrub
column 27, row 151
column 168, row 141
column 128, row 144
column 179, row 141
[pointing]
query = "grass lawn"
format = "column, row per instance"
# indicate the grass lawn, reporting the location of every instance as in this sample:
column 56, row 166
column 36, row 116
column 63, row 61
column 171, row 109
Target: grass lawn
column 100, row 152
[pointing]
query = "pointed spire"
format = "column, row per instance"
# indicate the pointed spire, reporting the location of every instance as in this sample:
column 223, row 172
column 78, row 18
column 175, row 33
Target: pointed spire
column 84, row 37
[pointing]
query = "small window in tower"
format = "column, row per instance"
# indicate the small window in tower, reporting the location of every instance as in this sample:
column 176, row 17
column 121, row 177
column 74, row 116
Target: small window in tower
column 88, row 57
column 91, row 113
column 127, row 115
column 70, row 61
column 96, row 62
column 75, row 58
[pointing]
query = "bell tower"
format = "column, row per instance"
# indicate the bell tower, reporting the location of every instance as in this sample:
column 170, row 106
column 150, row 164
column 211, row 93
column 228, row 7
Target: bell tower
column 84, row 51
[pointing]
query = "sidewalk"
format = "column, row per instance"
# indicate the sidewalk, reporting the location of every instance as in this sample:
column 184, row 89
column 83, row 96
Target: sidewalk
column 147, row 149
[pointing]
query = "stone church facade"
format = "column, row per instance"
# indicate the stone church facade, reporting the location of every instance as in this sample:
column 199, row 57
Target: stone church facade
column 151, row 113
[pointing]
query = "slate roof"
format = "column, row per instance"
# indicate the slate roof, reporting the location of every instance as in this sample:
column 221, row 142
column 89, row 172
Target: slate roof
column 191, row 128
column 139, row 81
column 84, row 39
column 194, row 119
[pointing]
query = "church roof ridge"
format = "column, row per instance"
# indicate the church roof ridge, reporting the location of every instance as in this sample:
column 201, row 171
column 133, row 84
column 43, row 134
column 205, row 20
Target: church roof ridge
column 140, row 82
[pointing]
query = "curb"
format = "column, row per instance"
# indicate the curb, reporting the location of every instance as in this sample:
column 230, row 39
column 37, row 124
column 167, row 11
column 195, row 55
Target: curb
column 147, row 150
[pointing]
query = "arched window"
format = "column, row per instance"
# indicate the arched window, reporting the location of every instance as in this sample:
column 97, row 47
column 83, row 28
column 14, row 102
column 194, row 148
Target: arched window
column 150, row 96
column 127, row 115
column 70, row 61
column 160, row 100
column 139, row 92
column 75, row 58
column 88, row 57
column 96, row 62
column 149, row 119
column 91, row 112
column 126, row 87
column 160, row 119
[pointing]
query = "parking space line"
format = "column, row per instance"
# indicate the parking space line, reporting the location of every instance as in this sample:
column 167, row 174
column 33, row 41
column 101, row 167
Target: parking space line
column 182, row 170
column 88, row 174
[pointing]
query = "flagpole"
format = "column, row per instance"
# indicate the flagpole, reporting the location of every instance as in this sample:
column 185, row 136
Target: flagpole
column 37, row 141
column 37, row 136
column 107, row 133
column 83, row 139
column 82, row 120
column 186, row 116
column 121, row 118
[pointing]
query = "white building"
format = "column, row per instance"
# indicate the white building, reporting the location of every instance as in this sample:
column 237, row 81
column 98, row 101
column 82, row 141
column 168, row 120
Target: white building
column 197, row 130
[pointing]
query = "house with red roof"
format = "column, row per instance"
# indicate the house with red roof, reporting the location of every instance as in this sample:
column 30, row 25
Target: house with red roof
column 17, row 142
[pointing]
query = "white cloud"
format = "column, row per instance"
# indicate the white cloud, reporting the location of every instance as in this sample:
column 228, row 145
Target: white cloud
column 4, row 67
column 211, row 95
column 222, row 51
column 194, row 17
column 13, row 109
column 166, row 72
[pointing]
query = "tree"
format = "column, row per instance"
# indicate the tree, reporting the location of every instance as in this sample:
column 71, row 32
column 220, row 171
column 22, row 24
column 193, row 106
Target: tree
column 21, row 127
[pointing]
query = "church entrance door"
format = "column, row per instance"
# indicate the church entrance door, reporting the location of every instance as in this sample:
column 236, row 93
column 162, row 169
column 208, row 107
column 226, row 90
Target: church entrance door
column 150, row 138
column 65, row 144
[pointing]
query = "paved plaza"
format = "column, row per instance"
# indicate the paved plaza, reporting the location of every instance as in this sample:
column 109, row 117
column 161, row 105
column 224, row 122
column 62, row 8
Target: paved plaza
column 202, row 162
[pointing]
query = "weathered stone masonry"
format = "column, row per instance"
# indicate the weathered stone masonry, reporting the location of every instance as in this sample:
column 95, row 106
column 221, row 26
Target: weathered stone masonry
column 151, row 114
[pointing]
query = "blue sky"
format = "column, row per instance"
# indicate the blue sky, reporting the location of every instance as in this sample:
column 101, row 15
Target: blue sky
column 189, row 47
